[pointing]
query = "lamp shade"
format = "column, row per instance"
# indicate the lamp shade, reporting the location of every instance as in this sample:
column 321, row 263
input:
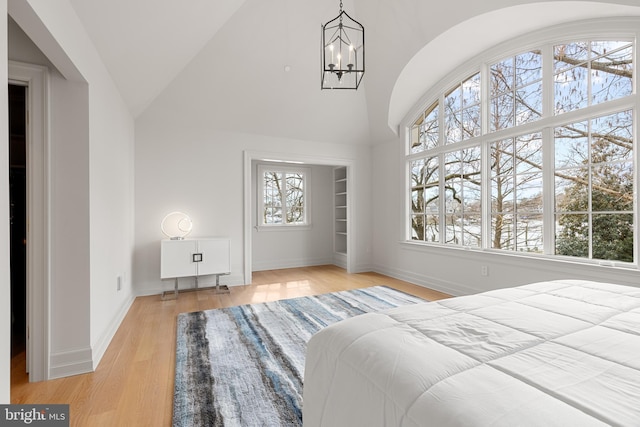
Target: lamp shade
column 176, row 225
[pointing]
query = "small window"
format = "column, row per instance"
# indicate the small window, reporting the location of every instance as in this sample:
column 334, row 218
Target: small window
column 282, row 196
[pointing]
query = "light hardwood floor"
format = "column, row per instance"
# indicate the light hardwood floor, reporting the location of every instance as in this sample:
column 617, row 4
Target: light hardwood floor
column 133, row 384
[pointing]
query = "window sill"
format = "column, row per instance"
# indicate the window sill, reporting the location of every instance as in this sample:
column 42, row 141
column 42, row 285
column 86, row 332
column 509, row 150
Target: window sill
column 460, row 250
column 279, row 227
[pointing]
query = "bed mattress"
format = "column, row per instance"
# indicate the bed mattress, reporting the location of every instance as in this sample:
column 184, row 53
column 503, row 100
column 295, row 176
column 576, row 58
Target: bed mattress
column 557, row 353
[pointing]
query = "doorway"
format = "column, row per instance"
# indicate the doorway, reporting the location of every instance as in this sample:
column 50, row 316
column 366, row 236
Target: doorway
column 18, row 216
column 249, row 205
column 29, row 169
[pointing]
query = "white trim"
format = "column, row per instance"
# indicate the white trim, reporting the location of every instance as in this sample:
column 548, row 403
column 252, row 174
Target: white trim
column 72, row 362
column 36, row 78
column 250, row 156
column 103, row 343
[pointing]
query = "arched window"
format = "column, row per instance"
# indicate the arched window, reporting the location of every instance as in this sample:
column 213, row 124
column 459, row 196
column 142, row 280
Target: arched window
column 532, row 150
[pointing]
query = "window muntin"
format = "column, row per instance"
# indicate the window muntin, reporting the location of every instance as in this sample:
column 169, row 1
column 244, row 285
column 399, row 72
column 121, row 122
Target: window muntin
column 459, row 181
column 462, row 111
column 425, row 131
column 522, row 168
column 282, row 196
column 594, row 176
column 591, row 72
column 425, row 192
column 516, row 193
column 463, row 201
column 516, row 90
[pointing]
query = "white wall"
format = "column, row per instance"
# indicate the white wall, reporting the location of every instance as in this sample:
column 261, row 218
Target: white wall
column 286, row 248
column 199, row 170
column 91, row 191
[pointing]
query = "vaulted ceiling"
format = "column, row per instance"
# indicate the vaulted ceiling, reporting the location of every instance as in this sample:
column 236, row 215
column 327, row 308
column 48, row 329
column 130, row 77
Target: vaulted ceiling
column 253, row 65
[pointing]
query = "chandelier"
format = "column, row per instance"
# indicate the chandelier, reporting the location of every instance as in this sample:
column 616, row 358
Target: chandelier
column 342, row 52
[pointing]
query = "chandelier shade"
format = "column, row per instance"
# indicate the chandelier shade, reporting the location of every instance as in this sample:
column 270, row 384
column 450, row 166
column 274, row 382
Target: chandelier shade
column 342, row 52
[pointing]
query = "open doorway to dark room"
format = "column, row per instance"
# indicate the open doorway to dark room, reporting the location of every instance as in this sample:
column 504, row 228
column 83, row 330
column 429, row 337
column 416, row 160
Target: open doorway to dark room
column 18, row 215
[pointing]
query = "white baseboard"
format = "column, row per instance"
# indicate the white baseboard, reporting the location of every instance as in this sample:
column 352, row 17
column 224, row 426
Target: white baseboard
column 290, row 263
column 103, row 343
column 451, row 288
column 73, row 362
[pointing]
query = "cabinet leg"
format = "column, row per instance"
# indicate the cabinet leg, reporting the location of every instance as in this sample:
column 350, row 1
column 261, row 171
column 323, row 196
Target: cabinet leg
column 224, row 289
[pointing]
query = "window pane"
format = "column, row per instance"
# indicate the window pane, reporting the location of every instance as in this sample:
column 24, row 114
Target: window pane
column 472, row 230
column 417, row 201
column 453, row 101
column 613, row 237
column 502, row 77
column 471, row 91
column 432, row 233
column 453, row 233
column 529, row 68
column 612, row 187
column 453, row 197
column 612, row 137
column 471, row 122
column 588, row 73
column 417, row 227
column 571, row 145
column 572, row 235
column 572, row 190
column 528, row 103
column 424, row 196
column 462, row 111
column 529, row 193
column 516, row 96
column 529, row 233
column 571, row 89
column 452, row 128
column 431, row 194
column 612, row 72
column 424, row 133
column 502, row 112
column 502, row 157
column 566, row 55
column 272, row 198
column 528, row 153
column 295, row 198
column 502, row 231
column 502, row 194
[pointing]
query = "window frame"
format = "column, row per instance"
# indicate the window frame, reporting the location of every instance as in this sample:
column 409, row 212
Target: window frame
column 260, row 189
column 543, row 40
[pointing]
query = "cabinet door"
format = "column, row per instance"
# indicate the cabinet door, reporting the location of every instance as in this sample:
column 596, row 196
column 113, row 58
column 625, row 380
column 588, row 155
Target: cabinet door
column 176, row 258
column 215, row 256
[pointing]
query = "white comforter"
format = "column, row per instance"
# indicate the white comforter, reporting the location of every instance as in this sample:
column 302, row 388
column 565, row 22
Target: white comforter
column 560, row 353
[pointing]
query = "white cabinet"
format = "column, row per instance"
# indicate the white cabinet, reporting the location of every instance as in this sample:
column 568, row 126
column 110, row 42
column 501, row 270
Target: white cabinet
column 193, row 258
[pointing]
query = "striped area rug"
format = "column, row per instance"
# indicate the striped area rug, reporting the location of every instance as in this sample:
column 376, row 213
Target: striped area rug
column 244, row 365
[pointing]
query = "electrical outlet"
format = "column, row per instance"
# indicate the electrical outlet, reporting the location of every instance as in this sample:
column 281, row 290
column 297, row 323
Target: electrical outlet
column 484, row 270
column 119, row 283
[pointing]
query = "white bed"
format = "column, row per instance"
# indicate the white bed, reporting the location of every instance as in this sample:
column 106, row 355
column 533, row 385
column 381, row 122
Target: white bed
column 559, row 353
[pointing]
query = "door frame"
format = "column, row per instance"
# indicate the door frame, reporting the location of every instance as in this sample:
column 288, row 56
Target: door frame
column 249, row 202
column 36, row 79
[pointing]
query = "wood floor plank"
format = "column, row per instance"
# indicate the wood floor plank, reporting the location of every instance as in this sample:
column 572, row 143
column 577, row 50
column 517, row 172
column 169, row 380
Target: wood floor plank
column 133, row 384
